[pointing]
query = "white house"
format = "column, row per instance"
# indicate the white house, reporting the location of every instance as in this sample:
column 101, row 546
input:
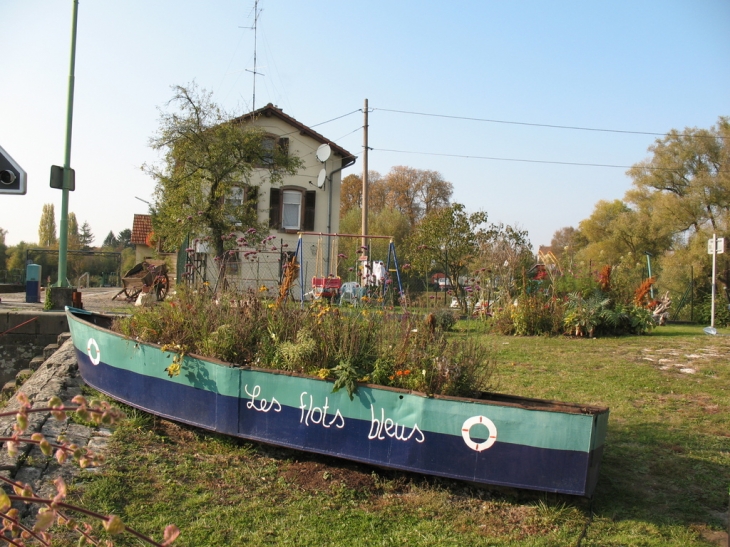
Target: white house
column 306, row 202
column 299, row 203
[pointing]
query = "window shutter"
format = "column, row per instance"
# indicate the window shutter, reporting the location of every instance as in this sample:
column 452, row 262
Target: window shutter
column 275, row 208
column 284, row 146
column 309, row 203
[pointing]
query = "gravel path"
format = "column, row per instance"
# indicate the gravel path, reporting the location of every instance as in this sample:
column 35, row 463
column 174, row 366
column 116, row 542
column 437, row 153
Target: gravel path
column 97, row 299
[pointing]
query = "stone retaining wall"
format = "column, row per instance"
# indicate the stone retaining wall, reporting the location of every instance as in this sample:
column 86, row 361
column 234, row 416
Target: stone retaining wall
column 56, row 376
column 24, row 335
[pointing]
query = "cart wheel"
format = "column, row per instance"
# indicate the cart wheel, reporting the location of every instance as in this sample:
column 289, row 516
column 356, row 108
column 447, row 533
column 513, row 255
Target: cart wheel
column 163, row 285
column 132, row 294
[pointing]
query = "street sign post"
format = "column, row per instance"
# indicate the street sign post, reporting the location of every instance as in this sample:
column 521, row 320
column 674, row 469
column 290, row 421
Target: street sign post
column 718, row 247
column 13, row 178
column 715, row 246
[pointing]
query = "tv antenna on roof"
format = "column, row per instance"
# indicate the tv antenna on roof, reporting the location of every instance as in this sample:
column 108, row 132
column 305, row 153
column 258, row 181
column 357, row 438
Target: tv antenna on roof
column 256, row 13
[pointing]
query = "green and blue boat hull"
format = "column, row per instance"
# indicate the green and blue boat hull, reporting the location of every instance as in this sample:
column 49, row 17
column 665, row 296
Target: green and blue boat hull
column 497, row 439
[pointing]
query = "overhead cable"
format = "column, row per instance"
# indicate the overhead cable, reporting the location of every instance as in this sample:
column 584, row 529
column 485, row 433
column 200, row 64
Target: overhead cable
column 523, row 160
column 576, row 128
column 337, row 118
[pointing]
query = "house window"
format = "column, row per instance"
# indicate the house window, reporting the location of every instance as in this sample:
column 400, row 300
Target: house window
column 236, row 198
column 272, row 145
column 292, row 209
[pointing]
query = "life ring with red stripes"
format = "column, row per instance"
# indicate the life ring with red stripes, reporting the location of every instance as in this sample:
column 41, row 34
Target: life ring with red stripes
column 95, row 359
column 474, row 420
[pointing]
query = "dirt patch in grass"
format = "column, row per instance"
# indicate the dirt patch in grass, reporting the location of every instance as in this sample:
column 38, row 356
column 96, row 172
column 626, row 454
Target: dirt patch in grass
column 314, row 476
column 174, row 433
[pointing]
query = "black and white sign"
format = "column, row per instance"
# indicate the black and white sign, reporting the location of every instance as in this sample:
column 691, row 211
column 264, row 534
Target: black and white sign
column 12, row 177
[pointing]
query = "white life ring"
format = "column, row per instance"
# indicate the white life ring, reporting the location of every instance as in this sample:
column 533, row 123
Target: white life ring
column 92, row 343
column 479, row 420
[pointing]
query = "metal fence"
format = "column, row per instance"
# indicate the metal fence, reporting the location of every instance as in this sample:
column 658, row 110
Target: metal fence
column 240, row 271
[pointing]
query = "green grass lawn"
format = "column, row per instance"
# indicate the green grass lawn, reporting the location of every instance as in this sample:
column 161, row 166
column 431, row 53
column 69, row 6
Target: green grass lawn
column 666, row 467
column 664, row 477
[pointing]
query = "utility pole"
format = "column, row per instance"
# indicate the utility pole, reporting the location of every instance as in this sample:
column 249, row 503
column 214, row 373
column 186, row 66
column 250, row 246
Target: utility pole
column 365, row 177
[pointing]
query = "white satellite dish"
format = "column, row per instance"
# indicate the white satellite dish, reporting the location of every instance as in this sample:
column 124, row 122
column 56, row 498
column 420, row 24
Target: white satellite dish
column 324, row 152
column 321, row 178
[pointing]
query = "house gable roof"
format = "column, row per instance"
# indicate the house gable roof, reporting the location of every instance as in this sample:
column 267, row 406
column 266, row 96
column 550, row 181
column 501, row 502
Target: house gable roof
column 270, row 110
column 141, row 228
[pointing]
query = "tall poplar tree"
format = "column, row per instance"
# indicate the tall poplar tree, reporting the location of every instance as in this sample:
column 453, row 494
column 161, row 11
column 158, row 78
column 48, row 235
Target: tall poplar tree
column 73, row 232
column 47, row 227
column 3, row 249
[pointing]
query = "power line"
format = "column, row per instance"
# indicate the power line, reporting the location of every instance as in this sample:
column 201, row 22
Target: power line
column 337, row 118
column 523, row 160
column 576, row 128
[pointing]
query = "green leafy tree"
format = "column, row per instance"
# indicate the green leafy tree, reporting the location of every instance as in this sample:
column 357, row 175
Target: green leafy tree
column 448, row 240
column 3, row 249
column 615, row 230
column 125, row 238
column 566, row 242
column 687, row 179
column 208, row 154
column 86, row 237
column 387, row 222
column 685, row 186
column 110, row 241
column 129, row 259
column 47, row 227
column 74, row 238
column 17, row 256
column 505, row 253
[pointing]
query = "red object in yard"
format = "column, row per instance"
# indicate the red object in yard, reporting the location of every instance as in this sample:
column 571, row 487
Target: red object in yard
column 326, row 287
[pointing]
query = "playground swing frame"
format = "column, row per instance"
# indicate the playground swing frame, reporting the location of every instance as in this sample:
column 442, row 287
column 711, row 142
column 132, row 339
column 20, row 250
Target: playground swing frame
column 329, row 285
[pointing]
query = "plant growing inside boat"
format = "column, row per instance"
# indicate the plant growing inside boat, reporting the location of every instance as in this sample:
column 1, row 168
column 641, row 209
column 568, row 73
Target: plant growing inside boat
column 345, row 346
column 56, row 510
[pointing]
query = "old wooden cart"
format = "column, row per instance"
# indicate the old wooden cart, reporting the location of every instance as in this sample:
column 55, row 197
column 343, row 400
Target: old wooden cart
column 145, row 277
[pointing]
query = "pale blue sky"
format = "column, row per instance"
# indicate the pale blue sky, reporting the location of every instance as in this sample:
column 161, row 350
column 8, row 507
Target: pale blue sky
column 646, row 66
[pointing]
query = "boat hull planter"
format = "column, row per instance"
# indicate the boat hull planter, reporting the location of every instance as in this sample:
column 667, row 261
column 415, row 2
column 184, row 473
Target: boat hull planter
column 497, row 439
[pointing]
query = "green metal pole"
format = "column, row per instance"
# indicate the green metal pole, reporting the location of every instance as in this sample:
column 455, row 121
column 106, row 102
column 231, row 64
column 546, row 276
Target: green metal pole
column 63, row 240
column 648, row 265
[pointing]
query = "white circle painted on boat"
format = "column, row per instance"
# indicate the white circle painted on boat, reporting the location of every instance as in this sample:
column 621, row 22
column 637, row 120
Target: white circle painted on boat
column 92, row 344
column 474, row 420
